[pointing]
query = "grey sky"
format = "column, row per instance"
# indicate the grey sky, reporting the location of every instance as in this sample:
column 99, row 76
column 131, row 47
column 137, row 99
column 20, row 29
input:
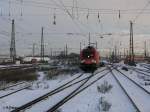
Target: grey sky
column 38, row 13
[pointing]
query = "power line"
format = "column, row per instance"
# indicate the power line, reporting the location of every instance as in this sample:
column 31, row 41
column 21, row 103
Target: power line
column 138, row 15
column 70, row 15
column 110, row 11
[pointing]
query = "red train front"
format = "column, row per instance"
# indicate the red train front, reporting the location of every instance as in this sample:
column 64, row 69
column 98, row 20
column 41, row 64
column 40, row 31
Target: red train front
column 89, row 59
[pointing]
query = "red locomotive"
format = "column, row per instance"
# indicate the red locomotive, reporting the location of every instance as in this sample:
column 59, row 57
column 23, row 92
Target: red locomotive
column 89, row 59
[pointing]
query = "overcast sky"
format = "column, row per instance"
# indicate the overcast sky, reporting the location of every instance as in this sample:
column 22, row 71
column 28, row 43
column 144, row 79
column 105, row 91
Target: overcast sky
column 72, row 25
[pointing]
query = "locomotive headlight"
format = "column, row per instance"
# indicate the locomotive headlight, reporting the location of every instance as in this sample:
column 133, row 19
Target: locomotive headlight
column 93, row 61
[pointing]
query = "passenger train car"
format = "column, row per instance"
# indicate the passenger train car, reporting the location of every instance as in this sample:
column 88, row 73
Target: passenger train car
column 89, row 59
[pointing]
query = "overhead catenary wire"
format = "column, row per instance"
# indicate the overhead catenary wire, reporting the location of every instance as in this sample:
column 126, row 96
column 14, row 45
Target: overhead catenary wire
column 83, row 10
column 91, row 10
column 70, row 15
column 141, row 12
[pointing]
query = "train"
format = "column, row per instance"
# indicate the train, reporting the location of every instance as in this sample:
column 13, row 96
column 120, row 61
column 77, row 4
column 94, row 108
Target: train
column 89, row 59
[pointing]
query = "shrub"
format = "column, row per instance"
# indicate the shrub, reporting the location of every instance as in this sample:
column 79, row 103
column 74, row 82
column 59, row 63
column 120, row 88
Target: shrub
column 53, row 73
column 105, row 87
column 17, row 75
column 104, row 105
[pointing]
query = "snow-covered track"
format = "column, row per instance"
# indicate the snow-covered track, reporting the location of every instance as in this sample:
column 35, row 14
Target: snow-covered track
column 139, row 95
column 8, row 87
column 66, row 85
column 15, row 67
column 133, row 82
column 78, row 90
column 55, row 91
column 146, row 66
column 135, row 106
column 8, row 94
column 141, row 72
column 147, row 71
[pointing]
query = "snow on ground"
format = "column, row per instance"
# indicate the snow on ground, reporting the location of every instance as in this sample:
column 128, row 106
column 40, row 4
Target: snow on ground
column 39, row 88
column 43, row 106
column 138, row 77
column 140, row 97
column 86, row 101
column 139, row 66
column 14, row 65
column 12, row 89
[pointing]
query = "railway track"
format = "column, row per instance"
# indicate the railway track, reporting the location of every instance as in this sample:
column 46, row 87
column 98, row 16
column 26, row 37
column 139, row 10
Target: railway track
column 146, row 66
column 57, row 90
column 13, row 92
column 141, row 71
column 147, row 71
column 132, row 102
column 78, row 90
column 28, row 85
column 139, row 96
column 17, row 67
column 7, row 87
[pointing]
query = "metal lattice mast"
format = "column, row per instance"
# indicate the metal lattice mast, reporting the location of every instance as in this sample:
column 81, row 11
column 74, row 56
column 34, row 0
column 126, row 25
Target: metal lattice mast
column 66, row 50
column 131, row 50
column 12, row 44
column 89, row 39
column 33, row 50
column 80, row 46
column 145, row 49
column 42, row 45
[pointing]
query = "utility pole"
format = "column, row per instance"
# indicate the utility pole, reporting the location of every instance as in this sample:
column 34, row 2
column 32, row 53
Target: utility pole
column 42, row 45
column 33, row 50
column 124, row 53
column 127, row 53
column 75, row 13
column 131, row 50
column 73, row 9
column 51, row 52
column 115, row 54
column 96, row 44
column 12, row 45
column 64, row 53
column 89, row 39
column 145, row 49
column 66, row 50
column 80, row 46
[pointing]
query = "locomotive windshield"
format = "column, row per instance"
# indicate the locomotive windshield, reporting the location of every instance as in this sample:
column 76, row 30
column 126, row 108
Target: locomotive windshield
column 88, row 53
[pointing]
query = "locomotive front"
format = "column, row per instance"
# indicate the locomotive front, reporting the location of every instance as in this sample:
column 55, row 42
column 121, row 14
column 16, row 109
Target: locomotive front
column 89, row 59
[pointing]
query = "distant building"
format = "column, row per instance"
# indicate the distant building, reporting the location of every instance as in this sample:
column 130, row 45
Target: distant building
column 5, row 59
column 34, row 59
